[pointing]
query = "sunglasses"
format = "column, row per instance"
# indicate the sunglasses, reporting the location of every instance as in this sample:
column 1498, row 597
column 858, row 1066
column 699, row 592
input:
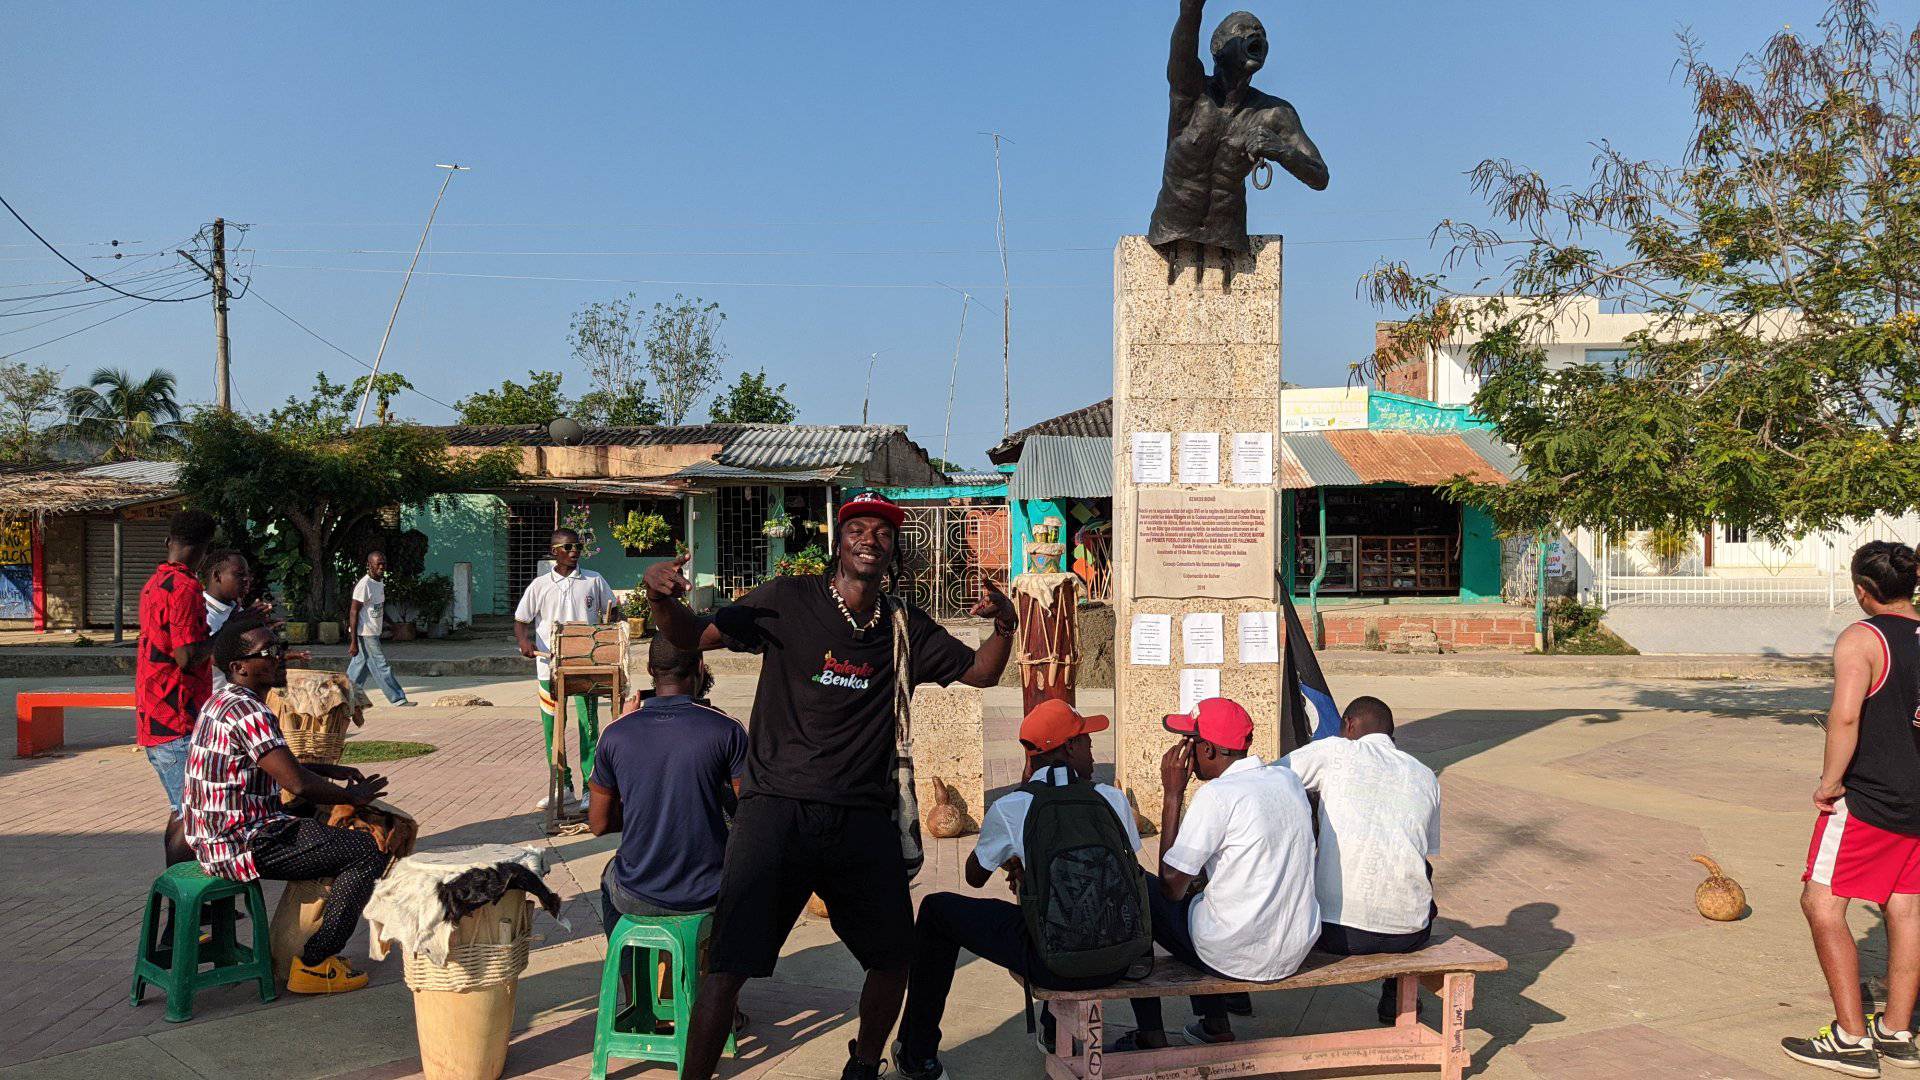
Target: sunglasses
column 568, row 547
column 275, row 651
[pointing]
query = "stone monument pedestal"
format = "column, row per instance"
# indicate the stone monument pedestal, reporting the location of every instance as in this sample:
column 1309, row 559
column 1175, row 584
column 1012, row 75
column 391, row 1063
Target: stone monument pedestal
column 1196, row 350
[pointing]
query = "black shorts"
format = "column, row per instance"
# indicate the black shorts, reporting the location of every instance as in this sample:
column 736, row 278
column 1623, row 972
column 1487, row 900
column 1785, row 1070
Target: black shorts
column 782, row 850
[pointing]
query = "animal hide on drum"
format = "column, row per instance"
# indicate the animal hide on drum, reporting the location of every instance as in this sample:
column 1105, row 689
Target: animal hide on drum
column 313, row 702
column 392, row 829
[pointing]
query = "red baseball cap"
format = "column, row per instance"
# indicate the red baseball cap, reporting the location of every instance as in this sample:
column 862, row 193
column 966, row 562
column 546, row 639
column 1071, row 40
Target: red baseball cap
column 1220, row 721
column 871, row 504
column 1052, row 723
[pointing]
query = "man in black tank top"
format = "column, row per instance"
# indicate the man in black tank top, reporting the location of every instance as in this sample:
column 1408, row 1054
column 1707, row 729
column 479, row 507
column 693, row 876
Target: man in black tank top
column 1866, row 842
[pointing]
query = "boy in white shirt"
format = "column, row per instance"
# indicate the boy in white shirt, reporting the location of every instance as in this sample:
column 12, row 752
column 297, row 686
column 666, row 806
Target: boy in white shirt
column 566, row 594
column 367, row 616
column 1249, row 832
column 1059, row 751
column 226, row 579
column 1379, row 826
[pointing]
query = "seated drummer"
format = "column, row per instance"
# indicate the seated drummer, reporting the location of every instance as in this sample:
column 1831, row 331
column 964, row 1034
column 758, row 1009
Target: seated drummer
column 236, row 769
column 1249, row 833
column 665, row 777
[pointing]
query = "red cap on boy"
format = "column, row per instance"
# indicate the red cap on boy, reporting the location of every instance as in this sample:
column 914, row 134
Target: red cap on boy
column 1220, row 721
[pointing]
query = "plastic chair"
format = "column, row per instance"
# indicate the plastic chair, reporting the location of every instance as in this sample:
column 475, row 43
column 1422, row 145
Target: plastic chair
column 200, row 899
column 636, row 948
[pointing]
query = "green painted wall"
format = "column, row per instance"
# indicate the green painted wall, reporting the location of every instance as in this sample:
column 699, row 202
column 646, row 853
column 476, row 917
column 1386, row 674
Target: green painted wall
column 471, row 529
column 1403, row 413
column 1479, row 557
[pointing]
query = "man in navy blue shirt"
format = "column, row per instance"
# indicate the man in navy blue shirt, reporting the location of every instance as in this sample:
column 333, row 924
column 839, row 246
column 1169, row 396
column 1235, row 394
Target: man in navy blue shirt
column 665, row 778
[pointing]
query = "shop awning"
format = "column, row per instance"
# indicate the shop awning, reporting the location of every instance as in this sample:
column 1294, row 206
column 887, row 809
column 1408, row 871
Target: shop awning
column 598, row 488
column 1063, row 467
column 1415, row 458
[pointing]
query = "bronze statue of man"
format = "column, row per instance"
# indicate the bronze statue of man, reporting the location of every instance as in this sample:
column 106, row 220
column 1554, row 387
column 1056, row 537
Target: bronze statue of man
column 1218, row 129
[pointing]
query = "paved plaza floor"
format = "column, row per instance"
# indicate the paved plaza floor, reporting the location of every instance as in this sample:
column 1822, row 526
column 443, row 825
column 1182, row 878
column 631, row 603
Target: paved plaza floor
column 1571, row 810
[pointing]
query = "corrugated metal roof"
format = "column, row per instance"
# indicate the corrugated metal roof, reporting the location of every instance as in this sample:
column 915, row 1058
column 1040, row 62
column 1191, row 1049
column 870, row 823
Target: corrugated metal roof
column 713, row 470
column 1406, row 457
column 1315, row 463
column 1063, row 467
column 1094, row 421
column 801, row 446
column 767, row 446
column 1499, row 454
column 137, row 472
column 977, row 479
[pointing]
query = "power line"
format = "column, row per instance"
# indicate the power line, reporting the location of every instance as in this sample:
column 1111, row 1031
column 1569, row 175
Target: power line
column 315, row 335
column 656, row 281
column 82, row 270
column 89, row 326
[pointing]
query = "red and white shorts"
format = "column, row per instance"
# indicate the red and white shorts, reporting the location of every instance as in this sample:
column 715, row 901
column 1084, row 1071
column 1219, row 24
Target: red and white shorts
column 1861, row 861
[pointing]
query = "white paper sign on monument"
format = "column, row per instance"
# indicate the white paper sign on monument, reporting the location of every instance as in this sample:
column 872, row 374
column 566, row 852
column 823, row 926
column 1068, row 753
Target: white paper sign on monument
column 1197, row 685
column 1253, row 457
column 1259, row 637
column 1152, row 640
column 1202, row 638
column 1152, row 457
column 1199, row 457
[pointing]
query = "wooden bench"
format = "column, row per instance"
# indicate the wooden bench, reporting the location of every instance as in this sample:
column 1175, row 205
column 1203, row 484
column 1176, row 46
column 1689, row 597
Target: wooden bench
column 41, row 715
column 1446, row 967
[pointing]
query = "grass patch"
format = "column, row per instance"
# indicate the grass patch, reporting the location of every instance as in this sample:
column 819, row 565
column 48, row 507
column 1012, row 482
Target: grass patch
column 362, row 751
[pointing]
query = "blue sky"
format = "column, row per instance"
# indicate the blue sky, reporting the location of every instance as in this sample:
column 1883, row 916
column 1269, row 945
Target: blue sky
column 815, row 168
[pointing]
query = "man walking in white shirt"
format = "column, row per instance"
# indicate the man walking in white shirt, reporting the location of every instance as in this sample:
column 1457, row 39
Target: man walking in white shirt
column 1249, row 832
column 1379, row 826
column 566, row 594
column 368, row 617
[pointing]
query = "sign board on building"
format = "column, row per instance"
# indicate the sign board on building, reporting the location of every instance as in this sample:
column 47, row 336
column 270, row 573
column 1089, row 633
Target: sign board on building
column 1329, row 408
column 1212, row 543
column 16, row 570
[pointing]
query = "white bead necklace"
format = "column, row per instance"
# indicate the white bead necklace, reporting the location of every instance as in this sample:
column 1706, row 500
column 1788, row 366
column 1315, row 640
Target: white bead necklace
column 879, row 607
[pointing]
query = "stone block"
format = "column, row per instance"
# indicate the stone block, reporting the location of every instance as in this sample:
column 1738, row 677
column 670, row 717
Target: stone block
column 947, row 734
column 1140, row 267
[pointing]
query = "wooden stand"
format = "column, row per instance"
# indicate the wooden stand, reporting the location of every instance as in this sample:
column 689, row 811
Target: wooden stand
column 586, row 660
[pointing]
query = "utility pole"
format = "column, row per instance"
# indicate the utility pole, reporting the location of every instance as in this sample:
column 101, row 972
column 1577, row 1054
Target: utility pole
column 872, row 359
column 222, row 360
column 1006, row 294
column 953, row 376
column 374, row 375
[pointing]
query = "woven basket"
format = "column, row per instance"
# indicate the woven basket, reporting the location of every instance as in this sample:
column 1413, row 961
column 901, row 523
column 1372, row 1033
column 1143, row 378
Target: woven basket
column 475, row 965
column 316, row 745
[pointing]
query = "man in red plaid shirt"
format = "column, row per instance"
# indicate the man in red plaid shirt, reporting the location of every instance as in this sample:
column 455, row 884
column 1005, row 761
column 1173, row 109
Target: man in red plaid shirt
column 236, row 770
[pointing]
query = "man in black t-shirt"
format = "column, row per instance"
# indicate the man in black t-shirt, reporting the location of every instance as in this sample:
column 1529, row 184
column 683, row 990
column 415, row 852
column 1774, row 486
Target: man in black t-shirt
column 816, row 802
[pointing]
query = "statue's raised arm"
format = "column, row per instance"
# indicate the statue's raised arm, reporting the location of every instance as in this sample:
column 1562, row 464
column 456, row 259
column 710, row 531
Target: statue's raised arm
column 1186, row 75
column 1218, row 128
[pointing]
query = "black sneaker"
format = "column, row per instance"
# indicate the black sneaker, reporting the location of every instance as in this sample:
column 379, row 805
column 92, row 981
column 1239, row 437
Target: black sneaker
column 1894, row 1047
column 1827, row 1051
column 860, row 1070
column 930, row 1069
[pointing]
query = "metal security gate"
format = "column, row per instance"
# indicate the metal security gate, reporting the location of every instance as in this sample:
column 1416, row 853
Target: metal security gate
column 143, row 547
column 529, row 540
column 742, row 541
column 948, row 551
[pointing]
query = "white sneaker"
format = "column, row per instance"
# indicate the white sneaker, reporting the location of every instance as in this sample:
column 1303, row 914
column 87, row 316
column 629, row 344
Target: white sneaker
column 566, row 801
column 586, row 797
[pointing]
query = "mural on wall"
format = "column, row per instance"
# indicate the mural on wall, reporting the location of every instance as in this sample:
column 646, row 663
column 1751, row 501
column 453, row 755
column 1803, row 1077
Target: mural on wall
column 16, row 570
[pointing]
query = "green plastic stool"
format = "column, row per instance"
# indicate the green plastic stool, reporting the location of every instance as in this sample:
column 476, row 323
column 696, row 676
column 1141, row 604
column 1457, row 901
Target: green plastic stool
column 200, row 899
column 637, row 943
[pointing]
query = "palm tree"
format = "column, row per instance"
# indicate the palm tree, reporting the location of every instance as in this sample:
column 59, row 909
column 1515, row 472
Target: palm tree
column 126, row 418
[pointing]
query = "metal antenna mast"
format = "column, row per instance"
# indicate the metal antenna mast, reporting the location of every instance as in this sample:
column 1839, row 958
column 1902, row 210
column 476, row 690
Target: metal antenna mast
column 361, row 416
column 1006, row 293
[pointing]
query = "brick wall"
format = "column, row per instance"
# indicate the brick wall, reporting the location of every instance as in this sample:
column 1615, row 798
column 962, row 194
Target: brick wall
column 1409, row 378
column 1491, row 631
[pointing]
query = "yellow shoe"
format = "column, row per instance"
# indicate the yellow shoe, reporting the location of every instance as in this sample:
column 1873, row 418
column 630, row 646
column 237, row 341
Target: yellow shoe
column 330, row 976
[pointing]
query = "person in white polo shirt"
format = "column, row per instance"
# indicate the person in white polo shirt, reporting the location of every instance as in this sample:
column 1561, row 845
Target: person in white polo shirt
column 1379, row 824
column 565, row 594
column 1249, row 832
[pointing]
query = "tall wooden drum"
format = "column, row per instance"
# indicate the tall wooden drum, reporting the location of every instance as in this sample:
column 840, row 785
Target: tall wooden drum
column 1049, row 646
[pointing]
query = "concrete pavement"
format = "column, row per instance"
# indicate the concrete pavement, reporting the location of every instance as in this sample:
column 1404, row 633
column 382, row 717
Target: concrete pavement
column 1572, row 805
